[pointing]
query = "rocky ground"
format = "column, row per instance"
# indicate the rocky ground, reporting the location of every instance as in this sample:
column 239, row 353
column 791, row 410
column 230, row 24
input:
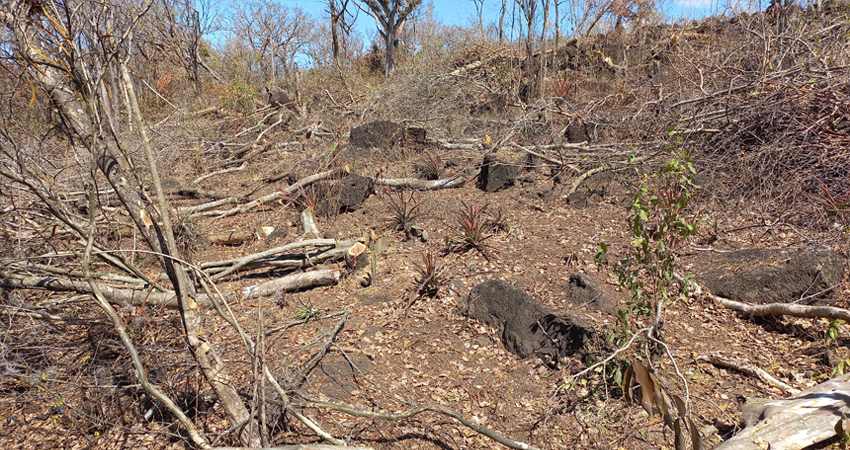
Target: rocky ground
column 483, row 293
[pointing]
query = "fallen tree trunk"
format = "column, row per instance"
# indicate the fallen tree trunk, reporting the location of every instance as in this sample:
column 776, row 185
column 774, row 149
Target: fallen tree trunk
column 751, row 370
column 234, row 237
column 415, row 183
column 294, row 282
column 121, row 297
column 796, row 423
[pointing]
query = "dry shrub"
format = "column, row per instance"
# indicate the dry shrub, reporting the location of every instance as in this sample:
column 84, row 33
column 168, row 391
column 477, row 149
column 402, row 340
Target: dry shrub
column 780, row 133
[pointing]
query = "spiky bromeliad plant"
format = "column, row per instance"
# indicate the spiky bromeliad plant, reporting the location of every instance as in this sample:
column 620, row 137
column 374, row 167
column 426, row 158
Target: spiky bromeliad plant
column 473, row 227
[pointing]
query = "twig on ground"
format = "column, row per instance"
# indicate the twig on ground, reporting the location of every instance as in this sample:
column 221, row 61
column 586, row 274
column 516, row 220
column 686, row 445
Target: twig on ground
column 313, row 403
column 749, row 369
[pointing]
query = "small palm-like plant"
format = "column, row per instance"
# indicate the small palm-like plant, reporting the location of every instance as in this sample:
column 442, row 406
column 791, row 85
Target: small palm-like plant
column 428, row 275
column 431, row 167
column 473, row 227
column 404, row 209
column 498, row 220
column 304, row 312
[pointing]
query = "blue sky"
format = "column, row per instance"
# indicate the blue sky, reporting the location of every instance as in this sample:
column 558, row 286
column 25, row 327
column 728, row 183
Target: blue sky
column 462, row 12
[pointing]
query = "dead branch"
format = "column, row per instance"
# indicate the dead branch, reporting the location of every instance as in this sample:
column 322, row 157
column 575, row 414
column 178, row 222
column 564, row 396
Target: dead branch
column 204, row 112
column 297, row 447
column 220, row 302
column 221, row 172
column 309, row 259
column 277, row 251
column 471, row 144
column 294, row 282
column 772, row 309
column 122, row 297
column 313, row 403
column 118, row 323
column 415, row 183
column 15, row 311
column 301, row 375
column 234, row 265
column 194, row 210
column 289, row 191
column 751, row 370
column 784, row 309
column 583, row 177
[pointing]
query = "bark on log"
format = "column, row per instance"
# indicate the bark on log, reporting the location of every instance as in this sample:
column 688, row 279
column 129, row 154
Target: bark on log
column 298, row 281
column 234, row 237
column 796, row 423
column 118, row 296
column 415, row 183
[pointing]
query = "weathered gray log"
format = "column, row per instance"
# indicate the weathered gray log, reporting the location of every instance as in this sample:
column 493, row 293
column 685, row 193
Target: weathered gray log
column 294, row 282
column 415, row 183
column 794, row 423
column 121, row 297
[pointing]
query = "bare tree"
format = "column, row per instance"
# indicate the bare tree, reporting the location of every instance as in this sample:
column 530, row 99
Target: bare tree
column 181, row 26
column 337, row 10
column 275, row 33
column 529, row 10
column 70, row 77
column 502, row 20
column 637, row 11
column 479, row 11
column 390, row 17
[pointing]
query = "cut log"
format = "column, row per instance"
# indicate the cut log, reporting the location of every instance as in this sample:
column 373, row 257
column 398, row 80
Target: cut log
column 234, row 237
column 353, row 256
column 233, row 265
column 294, row 282
column 794, row 423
